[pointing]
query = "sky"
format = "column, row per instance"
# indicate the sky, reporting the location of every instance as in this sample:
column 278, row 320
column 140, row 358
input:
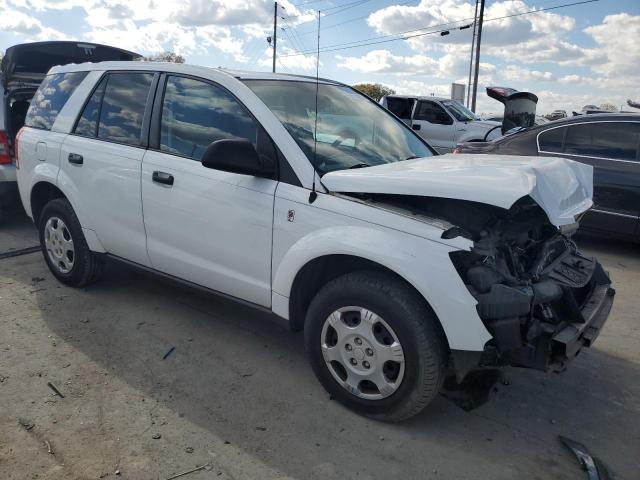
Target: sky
column 569, row 57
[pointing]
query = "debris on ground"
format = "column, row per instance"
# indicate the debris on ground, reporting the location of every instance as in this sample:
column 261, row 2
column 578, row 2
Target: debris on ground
column 595, row 468
column 49, row 449
column 197, row 469
column 188, row 449
column 474, row 390
column 55, row 389
column 168, row 353
column 26, row 424
column 156, row 436
column 261, row 429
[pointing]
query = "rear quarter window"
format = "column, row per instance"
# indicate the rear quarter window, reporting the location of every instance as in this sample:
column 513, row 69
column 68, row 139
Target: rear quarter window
column 51, row 96
column 551, row 140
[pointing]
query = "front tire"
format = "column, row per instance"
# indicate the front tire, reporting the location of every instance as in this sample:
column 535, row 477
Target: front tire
column 375, row 345
column 64, row 247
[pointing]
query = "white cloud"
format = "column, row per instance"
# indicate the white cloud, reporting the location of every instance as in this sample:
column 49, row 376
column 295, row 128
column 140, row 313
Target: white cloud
column 521, row 74
column 289, row 60
column 20, row 23
column 618, row 41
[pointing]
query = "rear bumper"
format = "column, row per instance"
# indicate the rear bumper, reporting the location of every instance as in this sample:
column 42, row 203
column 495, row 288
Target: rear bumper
column 7, row 173
column 8, row 187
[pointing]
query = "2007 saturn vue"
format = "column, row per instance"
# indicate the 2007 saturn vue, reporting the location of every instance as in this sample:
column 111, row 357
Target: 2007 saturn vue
column 401, row 266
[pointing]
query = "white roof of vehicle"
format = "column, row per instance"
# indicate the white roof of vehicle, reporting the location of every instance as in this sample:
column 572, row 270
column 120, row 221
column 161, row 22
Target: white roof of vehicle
column 186, row 69
column 419, row 97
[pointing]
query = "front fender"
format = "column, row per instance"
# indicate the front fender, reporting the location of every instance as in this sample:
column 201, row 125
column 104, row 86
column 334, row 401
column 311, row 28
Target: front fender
column 424, row 264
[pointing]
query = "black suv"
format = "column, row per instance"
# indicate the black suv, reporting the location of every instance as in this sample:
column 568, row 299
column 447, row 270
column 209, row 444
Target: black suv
column 608, row 142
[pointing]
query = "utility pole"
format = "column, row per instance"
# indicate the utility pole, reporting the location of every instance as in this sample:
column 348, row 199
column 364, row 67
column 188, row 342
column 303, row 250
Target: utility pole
column 473, row 42
column 475, row 76
column 275, row 33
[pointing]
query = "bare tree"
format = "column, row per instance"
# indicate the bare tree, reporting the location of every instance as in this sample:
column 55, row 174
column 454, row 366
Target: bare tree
column 608, row 107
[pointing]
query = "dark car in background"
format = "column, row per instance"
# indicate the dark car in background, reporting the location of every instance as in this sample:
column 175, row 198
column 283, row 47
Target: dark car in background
column 22, row 69
column 608, row 142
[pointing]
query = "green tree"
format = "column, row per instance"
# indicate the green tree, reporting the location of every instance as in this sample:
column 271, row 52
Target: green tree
column 374, row 90
column 164, row 57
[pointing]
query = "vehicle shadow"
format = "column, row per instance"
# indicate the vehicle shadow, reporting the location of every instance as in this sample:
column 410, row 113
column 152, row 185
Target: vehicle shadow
column 234, row 369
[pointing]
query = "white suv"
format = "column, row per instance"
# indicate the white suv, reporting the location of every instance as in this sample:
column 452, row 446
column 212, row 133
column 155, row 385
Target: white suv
column 402, row 267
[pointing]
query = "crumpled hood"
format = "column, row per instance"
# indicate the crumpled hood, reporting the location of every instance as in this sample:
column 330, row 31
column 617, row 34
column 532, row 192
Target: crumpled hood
column 563, row 188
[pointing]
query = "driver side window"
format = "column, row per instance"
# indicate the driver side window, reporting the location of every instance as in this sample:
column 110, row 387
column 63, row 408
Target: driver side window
column 433, row 113
column 196, row 113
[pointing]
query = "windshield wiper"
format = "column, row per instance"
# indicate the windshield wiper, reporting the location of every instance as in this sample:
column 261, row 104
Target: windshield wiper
column 359, row 165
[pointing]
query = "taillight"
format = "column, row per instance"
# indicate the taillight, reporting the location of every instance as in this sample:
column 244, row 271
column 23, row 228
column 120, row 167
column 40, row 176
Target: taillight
column 5, row 156
column 457, row 150
column 15, row 148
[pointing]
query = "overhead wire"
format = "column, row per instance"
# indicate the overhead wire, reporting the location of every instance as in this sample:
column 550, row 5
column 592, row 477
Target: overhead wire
column 377, row 40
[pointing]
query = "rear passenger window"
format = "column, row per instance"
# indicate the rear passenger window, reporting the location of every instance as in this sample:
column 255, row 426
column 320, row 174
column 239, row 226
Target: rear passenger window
column 615, row 140
column 88, row 122
column 401, row 107
column 123, row 106
column 551, row 140
column 196, row 113
column 51, row 96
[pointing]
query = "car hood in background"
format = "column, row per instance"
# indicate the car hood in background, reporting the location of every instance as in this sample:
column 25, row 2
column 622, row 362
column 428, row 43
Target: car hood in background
column 561, row 187
column 486, row 123
column 29, row 62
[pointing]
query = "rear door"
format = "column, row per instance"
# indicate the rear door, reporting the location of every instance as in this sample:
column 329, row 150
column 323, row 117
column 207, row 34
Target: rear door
column 102, row 159
column 435, row 125
column 612, row 148
column 400, row 107
column 209, row 227
column 40, row 142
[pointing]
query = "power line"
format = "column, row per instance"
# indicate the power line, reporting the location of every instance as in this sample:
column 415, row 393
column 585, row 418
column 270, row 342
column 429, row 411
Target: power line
column 350, row 45
column 343, row 7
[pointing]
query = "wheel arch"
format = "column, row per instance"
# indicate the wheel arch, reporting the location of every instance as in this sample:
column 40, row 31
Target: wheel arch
column 424, row 265
column 319, row 271
column 42, row 193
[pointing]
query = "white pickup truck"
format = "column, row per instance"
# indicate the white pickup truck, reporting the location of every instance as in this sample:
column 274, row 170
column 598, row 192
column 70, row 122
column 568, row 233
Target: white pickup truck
column 442, row 122
column 401, row 266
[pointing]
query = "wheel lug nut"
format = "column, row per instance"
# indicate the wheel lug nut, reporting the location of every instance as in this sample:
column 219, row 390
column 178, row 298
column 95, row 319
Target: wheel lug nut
column 358, row 341
column 369, row 352
column 366, row 364
column 348, row 347
column 353, row 361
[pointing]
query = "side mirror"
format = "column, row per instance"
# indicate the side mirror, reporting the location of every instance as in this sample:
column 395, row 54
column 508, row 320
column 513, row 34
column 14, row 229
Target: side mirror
column 237, row 155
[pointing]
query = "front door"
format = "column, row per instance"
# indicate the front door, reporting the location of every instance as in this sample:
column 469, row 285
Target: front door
column 209, row 227
column 435, row 125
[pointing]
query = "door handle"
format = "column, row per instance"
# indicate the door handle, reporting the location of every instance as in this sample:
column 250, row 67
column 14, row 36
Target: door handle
column 75, row 158
column 416, row 127
column 162, row 177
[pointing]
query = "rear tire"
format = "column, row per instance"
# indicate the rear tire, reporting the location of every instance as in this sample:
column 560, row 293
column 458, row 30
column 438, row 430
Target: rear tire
column 64, row 247
column 376, row 345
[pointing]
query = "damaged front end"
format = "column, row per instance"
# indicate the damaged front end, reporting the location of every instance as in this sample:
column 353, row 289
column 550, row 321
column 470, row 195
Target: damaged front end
column 538, row 296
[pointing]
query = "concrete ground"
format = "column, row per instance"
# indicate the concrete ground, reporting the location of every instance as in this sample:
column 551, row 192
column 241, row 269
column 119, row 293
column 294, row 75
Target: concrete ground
column 238, row 396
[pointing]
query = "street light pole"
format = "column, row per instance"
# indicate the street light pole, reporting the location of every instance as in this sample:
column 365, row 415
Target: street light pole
column 475, row 76
column 473, row 43
column 275, row 33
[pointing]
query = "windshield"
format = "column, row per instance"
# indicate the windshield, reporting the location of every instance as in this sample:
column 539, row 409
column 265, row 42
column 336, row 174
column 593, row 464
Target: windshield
column 352, row 131
column 459, row 111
